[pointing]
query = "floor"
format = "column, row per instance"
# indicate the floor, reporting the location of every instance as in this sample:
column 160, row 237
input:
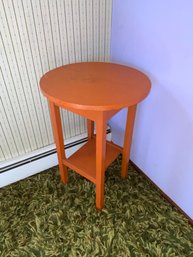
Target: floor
column 40, row 216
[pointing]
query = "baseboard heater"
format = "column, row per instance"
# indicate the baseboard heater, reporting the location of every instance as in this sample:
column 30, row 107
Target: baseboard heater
column 40, row 155
column 39, row 161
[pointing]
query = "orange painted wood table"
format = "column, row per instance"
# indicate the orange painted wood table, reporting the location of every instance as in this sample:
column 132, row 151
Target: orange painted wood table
column 96, row 91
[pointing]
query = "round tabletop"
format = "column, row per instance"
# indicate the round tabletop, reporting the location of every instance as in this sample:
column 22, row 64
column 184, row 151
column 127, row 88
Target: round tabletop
column 95, row 86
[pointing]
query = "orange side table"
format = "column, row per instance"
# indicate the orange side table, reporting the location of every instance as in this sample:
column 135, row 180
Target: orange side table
column 96, row 91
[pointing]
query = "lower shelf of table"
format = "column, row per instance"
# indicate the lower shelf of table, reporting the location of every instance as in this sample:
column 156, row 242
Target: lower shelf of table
column 83, row 161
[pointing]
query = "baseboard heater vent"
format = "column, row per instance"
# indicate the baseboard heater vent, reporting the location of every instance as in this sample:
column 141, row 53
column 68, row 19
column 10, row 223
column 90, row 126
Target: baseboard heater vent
column 39, row 161
column 39, row 156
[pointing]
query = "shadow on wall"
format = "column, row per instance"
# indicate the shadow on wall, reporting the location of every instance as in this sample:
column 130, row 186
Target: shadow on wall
column 163, row 139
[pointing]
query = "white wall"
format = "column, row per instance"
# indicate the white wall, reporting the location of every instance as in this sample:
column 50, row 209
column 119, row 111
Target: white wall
column 157, row 38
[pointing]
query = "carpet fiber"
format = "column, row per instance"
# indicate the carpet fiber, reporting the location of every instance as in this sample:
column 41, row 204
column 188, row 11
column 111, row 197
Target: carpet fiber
column 40, row 216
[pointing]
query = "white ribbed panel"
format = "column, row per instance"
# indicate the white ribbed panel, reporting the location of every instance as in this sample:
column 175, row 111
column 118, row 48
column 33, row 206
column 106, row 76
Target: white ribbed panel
column 36, row 36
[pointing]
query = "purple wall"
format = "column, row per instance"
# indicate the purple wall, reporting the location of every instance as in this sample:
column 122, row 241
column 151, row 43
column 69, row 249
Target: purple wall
column 157, row 38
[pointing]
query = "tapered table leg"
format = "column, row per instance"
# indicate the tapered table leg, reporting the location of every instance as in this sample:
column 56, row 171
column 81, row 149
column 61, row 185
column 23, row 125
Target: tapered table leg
column 127, row 140
column 58, row 135
column 90, row 128
column 100, row 159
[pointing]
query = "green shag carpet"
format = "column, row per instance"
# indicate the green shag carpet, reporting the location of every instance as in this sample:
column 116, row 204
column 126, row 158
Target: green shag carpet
column 40, row 216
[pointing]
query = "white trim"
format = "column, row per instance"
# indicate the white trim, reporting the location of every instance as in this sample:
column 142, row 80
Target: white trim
column 39, row 165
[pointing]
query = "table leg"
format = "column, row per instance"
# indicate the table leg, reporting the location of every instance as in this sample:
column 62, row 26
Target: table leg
column 100, row 160
column 58, row 135
column 127, row 140
column 90, row 128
